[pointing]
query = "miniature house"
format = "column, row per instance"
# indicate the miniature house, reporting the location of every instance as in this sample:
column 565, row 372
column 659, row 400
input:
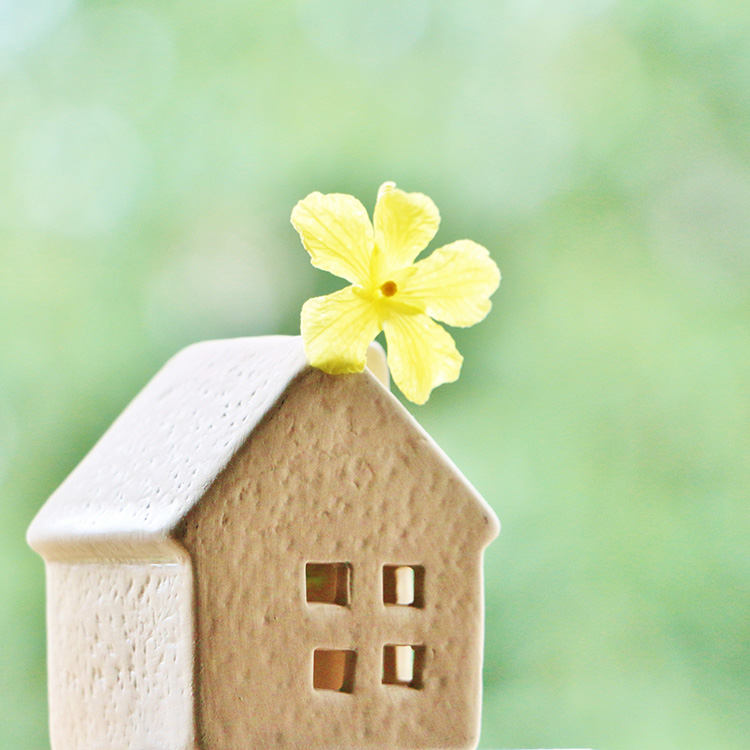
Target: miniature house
column 260, row 555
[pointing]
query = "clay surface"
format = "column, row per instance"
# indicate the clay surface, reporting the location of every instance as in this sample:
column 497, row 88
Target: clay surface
column 337, row 472
column 181, row 609
column 120, row 645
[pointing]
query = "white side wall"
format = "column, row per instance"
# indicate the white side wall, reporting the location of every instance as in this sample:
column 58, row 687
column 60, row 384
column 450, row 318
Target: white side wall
column 120, row 656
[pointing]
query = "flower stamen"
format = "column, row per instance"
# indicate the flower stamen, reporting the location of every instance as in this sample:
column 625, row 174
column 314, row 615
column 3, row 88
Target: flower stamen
column 389, row 288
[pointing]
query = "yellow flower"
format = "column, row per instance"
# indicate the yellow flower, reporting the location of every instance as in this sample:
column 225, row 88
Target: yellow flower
column 389, row 291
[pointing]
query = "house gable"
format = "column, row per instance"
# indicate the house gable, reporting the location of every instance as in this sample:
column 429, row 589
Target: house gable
column 337, row 472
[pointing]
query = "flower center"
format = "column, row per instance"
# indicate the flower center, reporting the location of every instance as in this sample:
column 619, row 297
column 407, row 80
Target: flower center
column 389, row 288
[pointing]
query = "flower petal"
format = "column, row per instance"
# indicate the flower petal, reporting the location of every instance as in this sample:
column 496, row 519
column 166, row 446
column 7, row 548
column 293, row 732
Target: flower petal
column 404, row 225
column 336, row 231
column 337, row 329
column 453, row 284
column 421, row 355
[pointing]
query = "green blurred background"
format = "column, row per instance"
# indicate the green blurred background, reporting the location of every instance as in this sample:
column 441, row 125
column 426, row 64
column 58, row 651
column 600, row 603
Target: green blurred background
column 150, row 155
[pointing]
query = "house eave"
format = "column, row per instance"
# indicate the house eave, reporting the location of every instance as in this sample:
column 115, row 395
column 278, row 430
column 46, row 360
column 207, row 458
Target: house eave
column 481, row 511
column 115, row 548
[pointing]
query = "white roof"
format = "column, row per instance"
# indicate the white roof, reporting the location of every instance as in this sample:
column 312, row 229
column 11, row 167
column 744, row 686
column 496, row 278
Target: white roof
column 166, row 449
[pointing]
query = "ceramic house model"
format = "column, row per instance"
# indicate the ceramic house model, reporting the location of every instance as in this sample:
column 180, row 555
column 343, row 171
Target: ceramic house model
column 260, row 555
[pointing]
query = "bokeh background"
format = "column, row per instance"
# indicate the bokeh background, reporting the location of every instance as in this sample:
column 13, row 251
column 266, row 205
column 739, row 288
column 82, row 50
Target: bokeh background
column 150, row 155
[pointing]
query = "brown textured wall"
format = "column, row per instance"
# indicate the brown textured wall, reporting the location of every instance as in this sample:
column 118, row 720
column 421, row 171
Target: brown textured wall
column 336, row 473
column 120, row 656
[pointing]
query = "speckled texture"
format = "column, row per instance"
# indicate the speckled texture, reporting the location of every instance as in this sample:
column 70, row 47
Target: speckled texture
column 338, row 472
column 165, row 449
column 176, row 556
column 120, row 656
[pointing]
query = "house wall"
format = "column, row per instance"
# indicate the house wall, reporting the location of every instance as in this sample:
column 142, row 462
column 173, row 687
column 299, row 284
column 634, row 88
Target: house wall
column 120, row 656
column 336, row 473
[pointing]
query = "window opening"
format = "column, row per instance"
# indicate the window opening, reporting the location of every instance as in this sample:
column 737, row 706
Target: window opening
column 403, row 665
column 328, row 583
column 334, row 669
column 403, row 585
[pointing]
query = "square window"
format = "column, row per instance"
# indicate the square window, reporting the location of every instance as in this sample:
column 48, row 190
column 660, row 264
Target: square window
column 403, row 585
column 334, row 670
column 403, row 665
column 328, row 583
